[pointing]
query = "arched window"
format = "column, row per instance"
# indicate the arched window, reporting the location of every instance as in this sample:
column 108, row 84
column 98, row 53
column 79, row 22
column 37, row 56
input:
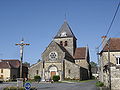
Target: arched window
column 61, row 43
column 65, row 44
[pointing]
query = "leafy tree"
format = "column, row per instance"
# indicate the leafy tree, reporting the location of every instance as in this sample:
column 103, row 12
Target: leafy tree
column 38, row 60
column 26, row 63
column 93, row 64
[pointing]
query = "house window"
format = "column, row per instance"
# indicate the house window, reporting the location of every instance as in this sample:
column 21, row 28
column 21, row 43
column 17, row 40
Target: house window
column 37, row 72
column 1, row 70
column 61, row 43
column 118, row 60
column 65, row 44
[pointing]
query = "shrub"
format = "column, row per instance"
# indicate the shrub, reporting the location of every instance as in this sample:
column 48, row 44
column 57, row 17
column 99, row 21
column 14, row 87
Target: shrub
column 99, row 84
column 56, row 78
column 37, row 78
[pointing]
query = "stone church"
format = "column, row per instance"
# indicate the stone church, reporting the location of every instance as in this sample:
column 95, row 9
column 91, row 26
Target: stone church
column 63, row 58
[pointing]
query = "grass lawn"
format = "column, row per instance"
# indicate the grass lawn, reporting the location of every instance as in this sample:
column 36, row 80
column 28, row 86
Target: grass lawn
column 78, row 80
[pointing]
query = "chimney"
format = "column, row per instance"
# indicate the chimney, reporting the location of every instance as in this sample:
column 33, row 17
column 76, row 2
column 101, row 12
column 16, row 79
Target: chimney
column 104, row 41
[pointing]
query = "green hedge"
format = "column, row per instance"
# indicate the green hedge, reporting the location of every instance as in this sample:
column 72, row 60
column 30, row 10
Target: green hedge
column 56, row 78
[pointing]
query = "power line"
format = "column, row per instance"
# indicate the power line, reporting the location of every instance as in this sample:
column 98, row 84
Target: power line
column 111, row 23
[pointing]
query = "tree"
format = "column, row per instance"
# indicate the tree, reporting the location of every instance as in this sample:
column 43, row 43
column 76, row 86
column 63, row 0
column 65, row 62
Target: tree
column 38, row 60
column 93, row 64
column 26, row 63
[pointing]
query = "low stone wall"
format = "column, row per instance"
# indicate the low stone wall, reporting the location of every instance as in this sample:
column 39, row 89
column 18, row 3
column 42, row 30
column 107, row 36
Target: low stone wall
column 115, row 78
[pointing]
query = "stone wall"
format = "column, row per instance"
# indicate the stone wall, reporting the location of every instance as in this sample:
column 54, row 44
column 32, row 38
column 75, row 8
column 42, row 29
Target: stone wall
column 57, row 65
column 53, row 47
column 115, row 78
column 33, row 70
column 103, row 77
column 82, row 63
column 70, row 46
column 72, row 70
column 112, row 57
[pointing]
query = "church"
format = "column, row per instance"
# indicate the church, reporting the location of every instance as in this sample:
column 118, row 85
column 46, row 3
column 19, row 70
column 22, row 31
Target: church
column 63, row 58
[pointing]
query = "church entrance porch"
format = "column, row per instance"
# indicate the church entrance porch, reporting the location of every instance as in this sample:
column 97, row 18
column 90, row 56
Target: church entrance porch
column 53, row 73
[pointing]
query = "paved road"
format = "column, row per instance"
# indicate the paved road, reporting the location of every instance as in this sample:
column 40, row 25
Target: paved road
column 59, row 86
column 6, row 84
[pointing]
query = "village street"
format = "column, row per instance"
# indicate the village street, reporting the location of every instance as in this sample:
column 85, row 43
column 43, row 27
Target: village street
column 90, row 85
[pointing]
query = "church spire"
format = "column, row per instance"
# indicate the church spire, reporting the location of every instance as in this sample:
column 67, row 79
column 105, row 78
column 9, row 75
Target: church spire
column 65, row 31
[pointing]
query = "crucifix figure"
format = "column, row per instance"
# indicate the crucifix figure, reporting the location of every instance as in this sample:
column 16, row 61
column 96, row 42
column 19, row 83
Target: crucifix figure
column 21, row 44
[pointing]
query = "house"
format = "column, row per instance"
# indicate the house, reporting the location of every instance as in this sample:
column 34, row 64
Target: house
column 62, row 57
column 10, row 69
column 109, row 71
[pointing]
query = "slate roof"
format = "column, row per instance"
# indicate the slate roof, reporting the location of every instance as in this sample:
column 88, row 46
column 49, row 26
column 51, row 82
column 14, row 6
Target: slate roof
column 65, row 28
column 80, row 53
column 114, row 45
column 9, row 63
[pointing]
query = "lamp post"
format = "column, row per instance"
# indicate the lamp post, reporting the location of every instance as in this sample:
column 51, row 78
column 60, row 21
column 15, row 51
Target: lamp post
column 21, row 44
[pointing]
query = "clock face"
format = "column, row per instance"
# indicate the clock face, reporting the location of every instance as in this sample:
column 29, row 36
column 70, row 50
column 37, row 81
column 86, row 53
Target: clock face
column 53, row 55
column 63, row 34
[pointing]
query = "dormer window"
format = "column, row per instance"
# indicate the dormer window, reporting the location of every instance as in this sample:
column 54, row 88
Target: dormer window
column 118, row 60
column 61, row 43
column 65, row 44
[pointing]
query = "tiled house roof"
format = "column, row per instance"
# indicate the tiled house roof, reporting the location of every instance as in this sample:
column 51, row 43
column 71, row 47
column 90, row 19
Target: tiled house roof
column 80, row 53
column 114, row 45
column 4, row 65
column 9, row 64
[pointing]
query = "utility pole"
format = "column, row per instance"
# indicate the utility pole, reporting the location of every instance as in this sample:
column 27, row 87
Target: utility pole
column 108, row 43
column 21, row 44
column 98, row 62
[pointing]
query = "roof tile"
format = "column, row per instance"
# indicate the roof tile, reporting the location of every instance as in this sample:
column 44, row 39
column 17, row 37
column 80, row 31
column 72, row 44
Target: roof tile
column 80, row 53
column 114, row 45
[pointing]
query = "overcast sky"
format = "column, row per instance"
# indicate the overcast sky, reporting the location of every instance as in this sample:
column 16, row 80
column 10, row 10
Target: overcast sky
column 38, row 21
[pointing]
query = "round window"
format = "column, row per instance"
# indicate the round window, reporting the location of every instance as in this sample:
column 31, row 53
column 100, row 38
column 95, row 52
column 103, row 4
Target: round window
column 53, row 55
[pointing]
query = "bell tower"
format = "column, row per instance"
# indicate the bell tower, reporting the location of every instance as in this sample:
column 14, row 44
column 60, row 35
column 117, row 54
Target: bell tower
column 66, row 38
